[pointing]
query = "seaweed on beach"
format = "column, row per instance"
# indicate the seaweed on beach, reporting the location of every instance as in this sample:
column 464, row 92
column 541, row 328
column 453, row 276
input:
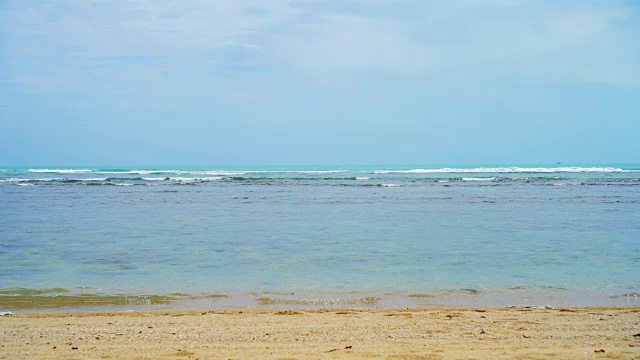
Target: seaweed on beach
column 31, row 292
column 39, row 300
column 359, row 301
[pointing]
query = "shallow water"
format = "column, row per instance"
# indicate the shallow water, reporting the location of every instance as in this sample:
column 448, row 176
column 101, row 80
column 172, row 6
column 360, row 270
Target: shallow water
column 570, row 235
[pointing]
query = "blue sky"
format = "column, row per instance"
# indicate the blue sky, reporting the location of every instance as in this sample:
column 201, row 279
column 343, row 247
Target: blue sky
column 151, row 82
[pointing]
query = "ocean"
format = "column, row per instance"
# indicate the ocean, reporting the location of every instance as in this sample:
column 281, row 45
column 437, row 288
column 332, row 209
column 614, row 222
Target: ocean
column 318, row 236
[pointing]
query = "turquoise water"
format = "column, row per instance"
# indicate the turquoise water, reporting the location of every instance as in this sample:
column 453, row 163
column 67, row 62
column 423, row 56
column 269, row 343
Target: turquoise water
column 418, row 235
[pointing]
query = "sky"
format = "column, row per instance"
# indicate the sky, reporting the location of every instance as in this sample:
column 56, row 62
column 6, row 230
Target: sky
column 292, row 82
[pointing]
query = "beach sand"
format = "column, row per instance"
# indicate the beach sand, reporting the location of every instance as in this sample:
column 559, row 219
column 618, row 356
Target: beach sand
column 427, row 333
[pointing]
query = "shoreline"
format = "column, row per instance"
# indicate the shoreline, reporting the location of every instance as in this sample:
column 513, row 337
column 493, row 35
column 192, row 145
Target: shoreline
column 392, row 333
column 61, row 300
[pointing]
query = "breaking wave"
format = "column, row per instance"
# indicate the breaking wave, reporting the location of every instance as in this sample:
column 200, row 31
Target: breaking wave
column 478, row 179
column 61, row 171
column 358, row 177
column 508, row 170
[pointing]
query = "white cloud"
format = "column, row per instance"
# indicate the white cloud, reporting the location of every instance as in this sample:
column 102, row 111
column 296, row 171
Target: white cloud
column 435, row 37
column 144, row 25
column 352, row 44
column 18, row 81
column 75, row 41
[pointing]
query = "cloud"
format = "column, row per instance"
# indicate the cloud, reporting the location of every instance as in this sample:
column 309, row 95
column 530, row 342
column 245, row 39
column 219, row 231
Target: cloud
column 462, row 36
column 83, row 46
column 17, row 81
column 352, row 44
column 74, row 42
column 143, row 24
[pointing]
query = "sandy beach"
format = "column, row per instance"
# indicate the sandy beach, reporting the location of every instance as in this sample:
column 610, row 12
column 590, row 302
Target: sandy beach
column 427, row 333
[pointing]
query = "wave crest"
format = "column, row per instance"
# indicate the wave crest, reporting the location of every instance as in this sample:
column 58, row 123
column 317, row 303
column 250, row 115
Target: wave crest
column 508, row 170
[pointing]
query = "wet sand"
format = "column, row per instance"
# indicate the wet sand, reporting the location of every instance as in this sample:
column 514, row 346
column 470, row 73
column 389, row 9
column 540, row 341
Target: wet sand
column 427, row 333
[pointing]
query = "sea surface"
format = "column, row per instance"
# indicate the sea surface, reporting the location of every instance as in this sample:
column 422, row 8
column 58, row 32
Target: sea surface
column 319, row 236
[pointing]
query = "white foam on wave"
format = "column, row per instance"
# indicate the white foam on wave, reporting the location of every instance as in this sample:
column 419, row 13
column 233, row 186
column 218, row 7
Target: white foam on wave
column 60, row 171
column 571, row 169
column 362, row 178
column 314, row 171
column 130, row 172
column 212, row 173
column 478, row 179
column 154, row 178
column 125, row 184
column 144, row 172
column 138, row 172
column 294, row 171
column 24, row 184
column 13, row 180
column 23, row 180
column 185, row 180
column 390, row 185
column 19, row 180
column 219, row 172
